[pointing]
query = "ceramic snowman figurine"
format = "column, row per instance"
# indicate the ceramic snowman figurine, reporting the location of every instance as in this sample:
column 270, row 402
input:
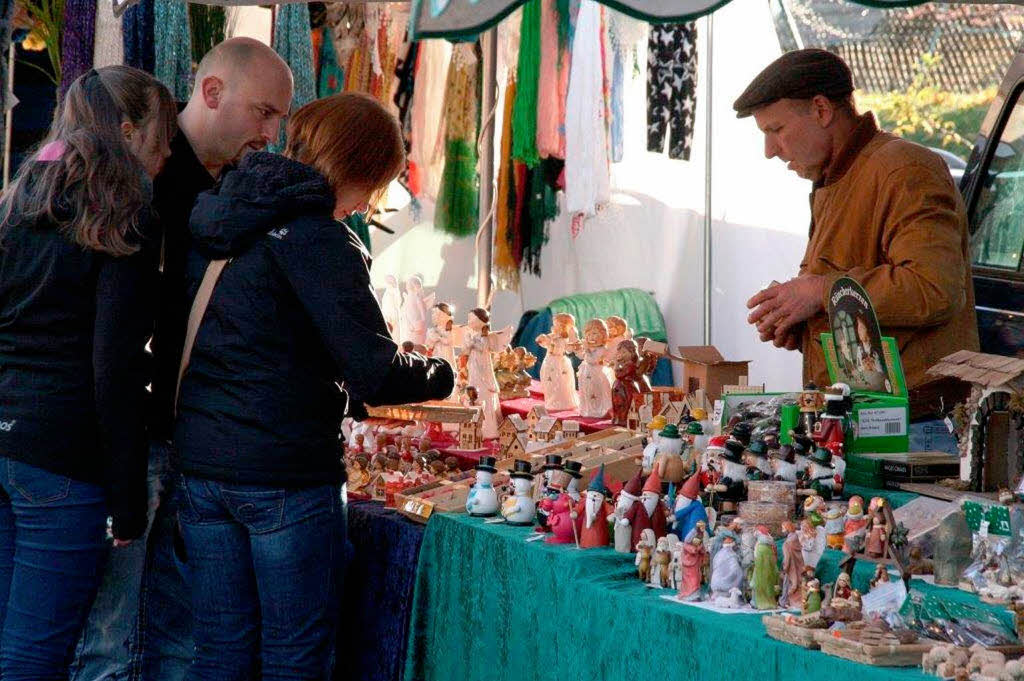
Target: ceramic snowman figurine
column 483, row 498
column 628, row 497
column 520, row 508
column 415, row 312
column 556, row 376
column 595, row 390
column 391, row 306
column 574, row 470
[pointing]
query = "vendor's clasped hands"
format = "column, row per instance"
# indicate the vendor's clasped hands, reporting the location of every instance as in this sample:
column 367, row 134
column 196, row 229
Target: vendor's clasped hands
column 779, row 310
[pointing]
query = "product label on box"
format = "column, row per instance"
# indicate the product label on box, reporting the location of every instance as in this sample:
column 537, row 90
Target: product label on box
column 719, row 412
column 885, row 422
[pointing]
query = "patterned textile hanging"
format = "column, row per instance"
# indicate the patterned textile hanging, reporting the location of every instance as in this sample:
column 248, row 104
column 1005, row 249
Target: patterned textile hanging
column 552, row 85
column 77, row 41
column 138, row 36
column 506, row 263
column 331, row 78
column 457, row 210
column 108, row 45
column 524, row 114
column 293, row 41
column 208, row 26
column 624, row 32
column 173, row 47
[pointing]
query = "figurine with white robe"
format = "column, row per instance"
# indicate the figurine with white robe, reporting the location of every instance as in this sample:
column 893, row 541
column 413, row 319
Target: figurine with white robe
column 595, row 391
column 391, row 306
column 478, row 345
column 439, row 335
column 414, row 312
column 556, row 375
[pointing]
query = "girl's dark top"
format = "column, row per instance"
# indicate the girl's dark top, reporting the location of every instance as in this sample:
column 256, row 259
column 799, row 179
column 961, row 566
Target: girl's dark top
column 73, row 370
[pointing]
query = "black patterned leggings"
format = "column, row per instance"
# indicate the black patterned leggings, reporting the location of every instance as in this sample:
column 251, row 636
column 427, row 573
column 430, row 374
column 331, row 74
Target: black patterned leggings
column 671, row 87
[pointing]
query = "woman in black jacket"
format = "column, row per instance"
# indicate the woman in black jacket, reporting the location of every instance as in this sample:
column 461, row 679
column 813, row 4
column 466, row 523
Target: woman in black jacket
column 75, row 281
column 291, row 337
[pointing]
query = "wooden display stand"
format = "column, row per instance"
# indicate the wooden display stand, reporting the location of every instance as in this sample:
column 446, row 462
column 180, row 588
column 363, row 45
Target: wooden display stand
column 781, row 628
column 875, row 651
column 443, row 496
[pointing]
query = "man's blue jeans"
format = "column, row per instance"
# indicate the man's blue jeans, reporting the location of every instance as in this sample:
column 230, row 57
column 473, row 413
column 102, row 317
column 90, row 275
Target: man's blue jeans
column 52, row 549
column 265, row 567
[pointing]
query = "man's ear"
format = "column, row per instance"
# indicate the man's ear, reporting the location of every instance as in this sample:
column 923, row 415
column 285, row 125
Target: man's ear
column 823, row 109
column 212, row 89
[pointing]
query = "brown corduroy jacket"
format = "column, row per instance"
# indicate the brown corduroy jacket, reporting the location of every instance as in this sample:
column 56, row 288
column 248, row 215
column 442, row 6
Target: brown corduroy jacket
column 888, row 215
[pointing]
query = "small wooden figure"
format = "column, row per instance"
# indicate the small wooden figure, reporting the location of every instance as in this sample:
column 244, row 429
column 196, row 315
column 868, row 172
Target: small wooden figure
column 661, row 564
column 595, row 390
column 830, row 429
column 565, row 529
column 595, row 511
column 811, row 402
column 509, row 431
column 878, row 529
column 668, row 460
column 691, row 559
column 525, row 360
column 471, row 434
column 726, row 572
column 483, row 499
column 629, row 496
column 556, row 375
column 505, row 373
column 835, row 522
column 644, row 555
column 792, row 592
column 536, row 413
column 783, row 464
column 627, row 385
column 618, row 331
column 855, row 526
column 812, row 597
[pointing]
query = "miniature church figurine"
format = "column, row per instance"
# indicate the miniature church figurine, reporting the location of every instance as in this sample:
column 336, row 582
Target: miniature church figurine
column 391, row 306
column 478, row 349
column 483, row 498
column 626, row 386
column 792, row 568
column 689, row 510
column 765, row 582
column 629, row 496
column 439, row 335
column 645, row 555
column 618, row 331
column 556, row 375
column 414, row 311
column 692, row 557
column 595, row 390
column 520, row 508
column 726, row 572
column 668, row 461
column 595, row 511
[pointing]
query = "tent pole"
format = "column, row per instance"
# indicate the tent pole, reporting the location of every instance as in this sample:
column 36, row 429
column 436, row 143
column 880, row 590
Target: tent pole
column 485, row 240
column 709, row 70
column 9, row 114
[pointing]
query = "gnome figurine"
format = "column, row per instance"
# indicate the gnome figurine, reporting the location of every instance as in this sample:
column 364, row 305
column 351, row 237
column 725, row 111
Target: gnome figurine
column 821, row 474
column 756, row 458
column 784, row 464
column 574, row 470
column 595, row 511
column 653, row 506
column 668, row 461
column 483, row 499
column 520, row 508
column 733, row 483
column 765, row 581
column 629, row 496
column 689, row 510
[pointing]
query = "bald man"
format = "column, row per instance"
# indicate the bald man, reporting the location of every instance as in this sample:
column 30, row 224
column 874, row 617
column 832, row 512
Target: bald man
column 141, row 621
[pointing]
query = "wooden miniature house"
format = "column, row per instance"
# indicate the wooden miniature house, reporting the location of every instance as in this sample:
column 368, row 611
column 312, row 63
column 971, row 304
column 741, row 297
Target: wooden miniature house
column 515, row 449
column 570, row 430
column 673, row 412
column 510, row 429
column 705, row 369
column 992, row 441
column 471, row 433
column 535, row 415
column 633, row 419
column 547, row 429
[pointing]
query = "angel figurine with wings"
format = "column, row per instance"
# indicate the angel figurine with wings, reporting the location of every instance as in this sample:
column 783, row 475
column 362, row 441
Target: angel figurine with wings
column 478, row 344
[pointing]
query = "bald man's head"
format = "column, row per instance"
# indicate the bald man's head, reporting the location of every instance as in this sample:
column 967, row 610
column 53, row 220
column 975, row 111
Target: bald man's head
column 243, row 90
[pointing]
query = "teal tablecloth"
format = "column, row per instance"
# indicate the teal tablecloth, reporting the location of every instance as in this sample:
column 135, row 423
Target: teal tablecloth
column 489, row 606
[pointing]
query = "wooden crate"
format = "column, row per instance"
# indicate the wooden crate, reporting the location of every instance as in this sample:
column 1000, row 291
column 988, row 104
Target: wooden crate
column 900, row 655
column 780, row 628
column 579, row 448
column 443, row 496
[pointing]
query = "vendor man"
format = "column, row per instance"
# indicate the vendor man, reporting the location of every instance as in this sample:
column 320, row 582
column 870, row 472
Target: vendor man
column 884, row 211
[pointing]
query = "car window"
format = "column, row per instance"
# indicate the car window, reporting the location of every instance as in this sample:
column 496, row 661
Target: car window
column 999, row 211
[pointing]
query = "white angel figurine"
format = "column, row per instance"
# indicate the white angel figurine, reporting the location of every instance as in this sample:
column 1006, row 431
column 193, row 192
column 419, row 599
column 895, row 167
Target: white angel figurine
column 414, row 311
column 439, row 335
column 556, row 375
column 594, row 389
column 391, row 306
column 478, row 346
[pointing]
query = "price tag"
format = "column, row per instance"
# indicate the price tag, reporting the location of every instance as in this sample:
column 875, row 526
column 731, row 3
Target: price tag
column 419, row 508
column 882, row 422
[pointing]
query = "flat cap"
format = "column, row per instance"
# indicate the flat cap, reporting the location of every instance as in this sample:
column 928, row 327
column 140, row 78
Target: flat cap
column 800, row 74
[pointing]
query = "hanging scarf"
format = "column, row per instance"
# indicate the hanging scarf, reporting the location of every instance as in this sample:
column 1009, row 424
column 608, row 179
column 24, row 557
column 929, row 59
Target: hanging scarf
column 208, row 25
column 294, row 42
column 506, row 264
column 457, row 210
column 77, row 41
column 540, row 206
column 173, row 47
column 426, row 154
column 331, row 78
column 108, row 45
column 550, row 105
column 138, row 36
column 524, row 114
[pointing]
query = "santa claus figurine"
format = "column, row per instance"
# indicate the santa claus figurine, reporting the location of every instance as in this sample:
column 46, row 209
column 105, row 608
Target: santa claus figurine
column 689, row 510
column 595, row 511
column 830, row 429
column 629, row 497
column 651, row 502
